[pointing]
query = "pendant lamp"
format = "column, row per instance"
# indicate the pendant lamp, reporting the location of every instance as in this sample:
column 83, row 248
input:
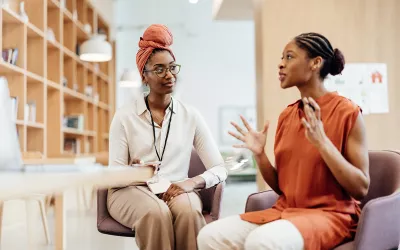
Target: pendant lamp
column 96, row 49
column 130, row 79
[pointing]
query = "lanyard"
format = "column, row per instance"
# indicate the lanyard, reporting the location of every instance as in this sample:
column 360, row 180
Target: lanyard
column 154, row 129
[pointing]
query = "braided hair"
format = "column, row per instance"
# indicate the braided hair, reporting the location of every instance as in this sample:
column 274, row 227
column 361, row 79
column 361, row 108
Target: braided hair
column 317, row 45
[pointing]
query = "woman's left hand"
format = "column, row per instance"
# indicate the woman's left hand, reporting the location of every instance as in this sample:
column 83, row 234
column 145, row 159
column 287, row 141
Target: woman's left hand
column 315, row 132
column 177, row 189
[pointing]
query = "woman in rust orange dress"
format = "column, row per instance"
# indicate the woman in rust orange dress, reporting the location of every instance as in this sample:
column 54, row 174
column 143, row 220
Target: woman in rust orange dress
column 321, row 160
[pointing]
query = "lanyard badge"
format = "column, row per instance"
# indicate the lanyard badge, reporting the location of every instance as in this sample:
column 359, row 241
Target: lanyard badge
column 160, row 157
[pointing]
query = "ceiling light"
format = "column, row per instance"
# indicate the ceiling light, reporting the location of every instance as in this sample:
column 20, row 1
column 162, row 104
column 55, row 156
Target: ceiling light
column 193, row 1
column 96, row 49
column 130, row 79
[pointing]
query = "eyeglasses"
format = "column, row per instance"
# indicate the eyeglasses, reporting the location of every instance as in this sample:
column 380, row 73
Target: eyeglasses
column 162, row 71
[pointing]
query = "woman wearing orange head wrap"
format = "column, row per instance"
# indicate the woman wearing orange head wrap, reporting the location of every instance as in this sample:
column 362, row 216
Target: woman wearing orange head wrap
column 158, row 127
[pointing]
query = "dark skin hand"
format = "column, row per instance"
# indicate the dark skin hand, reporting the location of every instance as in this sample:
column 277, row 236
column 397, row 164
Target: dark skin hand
column 351, row 172
column 256, row 141
column 179, row 188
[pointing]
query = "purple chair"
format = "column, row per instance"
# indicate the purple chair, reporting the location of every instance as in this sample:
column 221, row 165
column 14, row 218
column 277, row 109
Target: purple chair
column 379, row 225
column 211, row 199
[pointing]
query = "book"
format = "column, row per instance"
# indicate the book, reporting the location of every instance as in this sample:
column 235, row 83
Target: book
column 10, row 55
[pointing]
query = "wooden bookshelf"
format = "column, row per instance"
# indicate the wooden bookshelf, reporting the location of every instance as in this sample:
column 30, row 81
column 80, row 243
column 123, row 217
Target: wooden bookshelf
column 50, row 82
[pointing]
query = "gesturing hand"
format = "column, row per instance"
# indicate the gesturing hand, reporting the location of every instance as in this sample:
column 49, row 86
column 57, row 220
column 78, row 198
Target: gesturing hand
column 179, row 188
column 253, row 140
column 315, row 132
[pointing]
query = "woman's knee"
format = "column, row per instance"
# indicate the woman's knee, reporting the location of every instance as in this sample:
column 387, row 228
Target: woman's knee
column 158, row 213
column 206, row 238
column 257, row 241
column 187, row 214
column 277, row 235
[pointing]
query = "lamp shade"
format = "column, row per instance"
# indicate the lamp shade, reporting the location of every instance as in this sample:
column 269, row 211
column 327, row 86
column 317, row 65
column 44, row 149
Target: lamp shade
column 96, row 49
column 130, row 79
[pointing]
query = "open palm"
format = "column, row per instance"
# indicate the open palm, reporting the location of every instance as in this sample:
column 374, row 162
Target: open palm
column 253, row 140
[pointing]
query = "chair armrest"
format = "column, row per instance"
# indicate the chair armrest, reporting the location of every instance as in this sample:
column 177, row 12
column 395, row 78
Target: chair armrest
column 261, row 201
column 379, row 224
column 217, row 200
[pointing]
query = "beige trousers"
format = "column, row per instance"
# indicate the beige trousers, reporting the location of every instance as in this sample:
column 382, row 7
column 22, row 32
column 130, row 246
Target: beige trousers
column 158, row 226
column 233, row 233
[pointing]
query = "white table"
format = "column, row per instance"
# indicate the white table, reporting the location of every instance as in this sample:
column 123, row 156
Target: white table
column 19, row 185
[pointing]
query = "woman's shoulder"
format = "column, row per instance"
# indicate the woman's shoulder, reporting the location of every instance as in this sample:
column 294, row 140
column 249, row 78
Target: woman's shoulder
column 343, row 105
column 124, row 113
column 289, row 109
column 181, row 107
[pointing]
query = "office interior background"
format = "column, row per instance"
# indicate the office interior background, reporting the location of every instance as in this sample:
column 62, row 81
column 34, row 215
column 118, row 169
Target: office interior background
column 229, row 51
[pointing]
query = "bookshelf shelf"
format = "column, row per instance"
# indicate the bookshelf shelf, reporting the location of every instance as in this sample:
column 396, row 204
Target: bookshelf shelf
column 63, row 105
column 10, row 17
column 35, row 125
column 72, row 131
column 9, row 69
column 33, row 31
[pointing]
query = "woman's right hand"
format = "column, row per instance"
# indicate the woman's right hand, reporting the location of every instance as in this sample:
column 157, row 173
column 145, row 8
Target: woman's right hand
column 252, row 139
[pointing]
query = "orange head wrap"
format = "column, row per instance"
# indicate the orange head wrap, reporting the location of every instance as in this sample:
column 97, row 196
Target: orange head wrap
column 157, row 36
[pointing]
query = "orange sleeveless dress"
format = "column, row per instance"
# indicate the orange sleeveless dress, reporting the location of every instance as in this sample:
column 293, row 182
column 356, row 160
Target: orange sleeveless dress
column 312, row 199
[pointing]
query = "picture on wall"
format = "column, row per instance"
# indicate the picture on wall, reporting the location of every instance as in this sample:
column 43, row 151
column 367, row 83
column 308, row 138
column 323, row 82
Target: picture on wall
column 366, row 84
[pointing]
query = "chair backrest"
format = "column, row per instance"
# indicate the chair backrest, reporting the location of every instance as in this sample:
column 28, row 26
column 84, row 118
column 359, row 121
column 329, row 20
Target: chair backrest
column 384, row 170
column 197, row 167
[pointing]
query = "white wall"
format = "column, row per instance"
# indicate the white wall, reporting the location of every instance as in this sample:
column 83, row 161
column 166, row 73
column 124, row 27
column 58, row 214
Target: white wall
column 217, row 57
column 106, row 10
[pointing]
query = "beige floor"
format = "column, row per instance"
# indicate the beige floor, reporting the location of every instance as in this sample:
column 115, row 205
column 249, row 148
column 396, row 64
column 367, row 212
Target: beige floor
column 82, row 233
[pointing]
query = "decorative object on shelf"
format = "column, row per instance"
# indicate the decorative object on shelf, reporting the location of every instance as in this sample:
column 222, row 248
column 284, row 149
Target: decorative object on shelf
column 89, row 90
column 130, row 79
column 96, row 49
column 74, row 121
column 102, row 31
column 50, row 35
column 30, row 111
column 22, row 12
column 87, row 28
column 14, row 107
column 96, row 67
column 75, row 87
column 96, row 98
column 72, row 146
column 77, row 49
column 64, row 81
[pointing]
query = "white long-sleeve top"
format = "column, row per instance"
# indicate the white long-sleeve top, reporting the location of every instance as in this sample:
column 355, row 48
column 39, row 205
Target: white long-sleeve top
column 131, row 137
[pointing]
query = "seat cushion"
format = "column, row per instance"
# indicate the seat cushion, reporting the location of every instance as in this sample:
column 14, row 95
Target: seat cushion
column 112, row 227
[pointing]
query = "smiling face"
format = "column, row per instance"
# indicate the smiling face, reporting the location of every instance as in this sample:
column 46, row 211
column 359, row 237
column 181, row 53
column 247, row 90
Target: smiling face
column 296, row 68
column 159, row 81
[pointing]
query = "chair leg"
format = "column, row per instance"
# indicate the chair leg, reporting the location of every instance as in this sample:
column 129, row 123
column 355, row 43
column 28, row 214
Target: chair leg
column 44, row 220
column 29, row 222
column 93, row 195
